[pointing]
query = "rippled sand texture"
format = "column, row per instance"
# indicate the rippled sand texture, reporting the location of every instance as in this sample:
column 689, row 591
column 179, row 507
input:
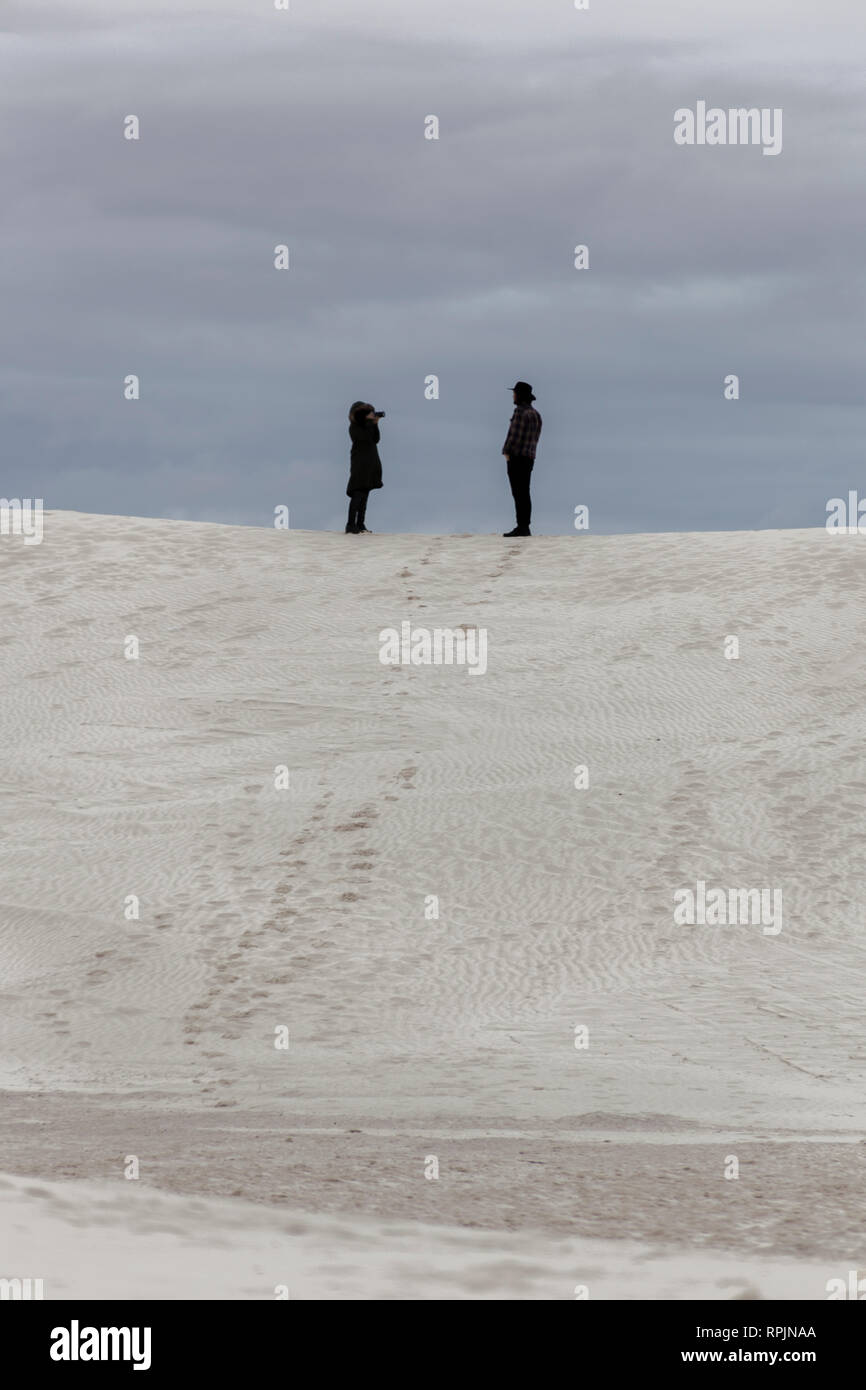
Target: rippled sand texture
column 305, row 908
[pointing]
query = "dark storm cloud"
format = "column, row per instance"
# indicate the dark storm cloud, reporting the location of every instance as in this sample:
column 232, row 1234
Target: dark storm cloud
column 412, row 257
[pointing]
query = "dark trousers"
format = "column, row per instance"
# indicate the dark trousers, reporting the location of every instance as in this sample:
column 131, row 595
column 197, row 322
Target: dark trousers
column 357, row 508
column 519, row 474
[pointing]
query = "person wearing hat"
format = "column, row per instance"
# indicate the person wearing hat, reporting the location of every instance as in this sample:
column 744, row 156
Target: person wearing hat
column 365, row 470
column 519, row 450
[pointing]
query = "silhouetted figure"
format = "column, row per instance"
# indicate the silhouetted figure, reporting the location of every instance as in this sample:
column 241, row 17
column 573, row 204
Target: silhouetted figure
column 519, row 450
column 365, row 471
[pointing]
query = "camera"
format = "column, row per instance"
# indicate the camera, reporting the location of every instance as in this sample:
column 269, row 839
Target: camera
column 378, row 414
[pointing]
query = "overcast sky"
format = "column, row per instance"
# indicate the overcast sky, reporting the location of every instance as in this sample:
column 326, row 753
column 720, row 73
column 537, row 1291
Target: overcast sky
column 412, row 257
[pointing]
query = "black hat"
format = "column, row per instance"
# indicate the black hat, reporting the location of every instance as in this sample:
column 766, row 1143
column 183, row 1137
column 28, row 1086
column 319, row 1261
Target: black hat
column 523, row 389
column 359, row 405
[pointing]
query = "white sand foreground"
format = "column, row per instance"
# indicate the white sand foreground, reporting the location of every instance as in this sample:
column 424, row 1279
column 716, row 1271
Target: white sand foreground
column 308, row 908
column 89, row 1234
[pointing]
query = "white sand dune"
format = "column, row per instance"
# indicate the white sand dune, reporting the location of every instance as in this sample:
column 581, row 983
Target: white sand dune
column 185, row 1248
column 305, row 908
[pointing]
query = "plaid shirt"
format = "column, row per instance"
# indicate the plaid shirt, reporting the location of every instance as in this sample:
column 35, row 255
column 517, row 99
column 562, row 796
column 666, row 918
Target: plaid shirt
column 523, row 433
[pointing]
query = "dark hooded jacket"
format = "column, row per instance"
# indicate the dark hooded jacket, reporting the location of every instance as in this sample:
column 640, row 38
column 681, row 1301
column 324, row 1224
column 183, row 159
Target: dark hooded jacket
column 366, row 468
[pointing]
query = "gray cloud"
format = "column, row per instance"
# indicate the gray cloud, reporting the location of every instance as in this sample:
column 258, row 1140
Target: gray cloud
column 412, row 257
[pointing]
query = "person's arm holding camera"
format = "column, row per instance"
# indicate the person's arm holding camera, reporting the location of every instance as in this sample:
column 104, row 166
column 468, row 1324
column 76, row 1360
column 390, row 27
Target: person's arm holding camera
column 372, row 423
